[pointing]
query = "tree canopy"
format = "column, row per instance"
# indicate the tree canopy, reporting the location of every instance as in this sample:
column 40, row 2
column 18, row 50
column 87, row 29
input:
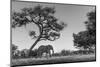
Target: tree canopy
column 87, row 39
column 44, row 18
column 14, row 47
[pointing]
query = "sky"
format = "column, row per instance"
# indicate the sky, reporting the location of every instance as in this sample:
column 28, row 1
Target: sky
column 73, row 15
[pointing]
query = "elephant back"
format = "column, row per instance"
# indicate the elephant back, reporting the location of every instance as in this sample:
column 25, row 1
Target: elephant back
column 42, row 47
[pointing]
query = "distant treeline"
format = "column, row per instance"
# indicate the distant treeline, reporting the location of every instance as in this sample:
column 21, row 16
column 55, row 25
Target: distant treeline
column 21, row 54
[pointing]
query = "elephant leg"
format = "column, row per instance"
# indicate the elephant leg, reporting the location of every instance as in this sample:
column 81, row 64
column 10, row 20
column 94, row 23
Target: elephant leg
column 49, row 53
column 46, row 55
column 52, row 51
column 39, row 54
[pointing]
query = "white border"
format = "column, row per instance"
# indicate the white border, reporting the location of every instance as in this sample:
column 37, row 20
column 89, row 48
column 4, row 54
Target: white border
column 5, row 33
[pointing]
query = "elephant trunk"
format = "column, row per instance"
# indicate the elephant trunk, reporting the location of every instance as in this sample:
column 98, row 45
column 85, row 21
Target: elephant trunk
column 52, row 51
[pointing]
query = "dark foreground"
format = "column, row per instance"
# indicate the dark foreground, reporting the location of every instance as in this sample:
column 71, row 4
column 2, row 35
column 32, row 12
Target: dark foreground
column 53, row 60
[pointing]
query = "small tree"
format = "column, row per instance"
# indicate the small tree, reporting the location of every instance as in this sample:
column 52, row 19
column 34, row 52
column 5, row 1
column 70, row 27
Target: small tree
column 44, row 18
column 82, row 40
column 34, row 53
column 87, row 39
column 13, row 48
column 65, row 52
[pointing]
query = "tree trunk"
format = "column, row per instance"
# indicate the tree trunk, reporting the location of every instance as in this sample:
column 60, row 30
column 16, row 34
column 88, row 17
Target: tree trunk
column 35, row 43
column 29, row 54
column 38, row 37
column 41, row 31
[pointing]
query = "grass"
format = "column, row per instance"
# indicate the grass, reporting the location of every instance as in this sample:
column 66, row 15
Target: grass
column 52, row 60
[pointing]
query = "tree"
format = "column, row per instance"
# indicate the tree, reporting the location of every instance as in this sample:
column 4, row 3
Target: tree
column 91, row 23
column 87, row 39
column 65, row 52
column 91, row 26
column 44, row 18
column 83, row 40
column 13, row 49
column 34, row 53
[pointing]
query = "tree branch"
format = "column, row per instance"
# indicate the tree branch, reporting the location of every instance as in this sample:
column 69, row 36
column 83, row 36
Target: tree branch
column 41, row 31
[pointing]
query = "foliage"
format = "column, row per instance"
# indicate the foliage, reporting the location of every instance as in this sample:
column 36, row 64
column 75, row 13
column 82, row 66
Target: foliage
column 87, row 39
column 65, row 52
column 56, row 54
column 33, row 53
column 14, row 47
column 44, row 18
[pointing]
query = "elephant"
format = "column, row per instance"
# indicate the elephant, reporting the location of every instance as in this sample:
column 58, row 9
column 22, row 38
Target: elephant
column 45, row 49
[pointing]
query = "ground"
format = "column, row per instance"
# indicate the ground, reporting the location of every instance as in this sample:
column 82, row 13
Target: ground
column 61, row 59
